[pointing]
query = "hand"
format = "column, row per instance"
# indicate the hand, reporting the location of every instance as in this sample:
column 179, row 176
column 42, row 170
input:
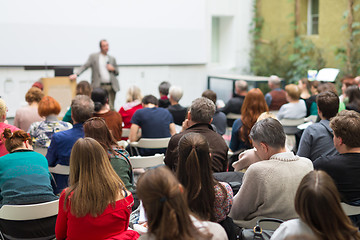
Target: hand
column 110, row 67
column 185, row 124
column 73, row 77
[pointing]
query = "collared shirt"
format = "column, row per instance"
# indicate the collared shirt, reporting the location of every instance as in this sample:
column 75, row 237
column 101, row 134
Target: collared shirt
column 104, row 73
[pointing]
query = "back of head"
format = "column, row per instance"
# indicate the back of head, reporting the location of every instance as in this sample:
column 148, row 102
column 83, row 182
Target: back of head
column 97, row 129
column 241, row 85
column 210, row 95
column 175, row 93
column 34, row 94
column 165, row 205
column 323, row 87
column 150, row 99
column 82, row 108
column 202, row 110
column 269, row 131
column 15, row 139
column 164, row 88
column 83, row 88
column 195, row 173
column 353, row 93
column 48, row 106
column 274, row 81
column 100, row 98
column 346, row 124
column 93, row 181
column 133, row 93
column 317, row 202
column 328, row 104
column 293, row 91
column 3, row 110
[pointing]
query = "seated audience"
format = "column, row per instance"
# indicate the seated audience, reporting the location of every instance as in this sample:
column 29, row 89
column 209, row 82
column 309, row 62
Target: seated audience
column 82, row 88
column 24, row 179
column 346, row 82
column 254, row 105
column 269, row 186
column 25, row 116
column 304, row 87
column 3, row 125
column 82, row 108
column 97, row 129
column 219, row 118
column 42, row 132
column 102, row 109
column 317, row 138
column 199, row 118
column 323, row 87
column 311, row 108
column 317, row 202
column 164, row 91
column 168, row 215
column 177, row 111
column 133, row 103
column 96, row 205
column 345, row 167
column 155, row 122
column 207, row 198
column 353, row 95
column 277, row 96
column 296, row 108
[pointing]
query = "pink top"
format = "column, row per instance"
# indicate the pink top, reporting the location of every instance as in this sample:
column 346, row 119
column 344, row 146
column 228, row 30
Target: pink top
column 3, row 150
column 25, row 116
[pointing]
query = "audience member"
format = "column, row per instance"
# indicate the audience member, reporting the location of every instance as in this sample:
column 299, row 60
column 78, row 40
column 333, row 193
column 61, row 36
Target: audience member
column 38, row 85
column 254, row 105
column 317, row 202
column 317, row 138
column 97, row 129
column 25, row 116
column 311, row 108
column 219, row 118
column 133, row 103
column 168, row 214
column 304, row 87
column 277, row 96
column 296, row 108
column 82, row 88
column 346, row 82
column 102, row 109
column 3, row 125
column 177, row 111
column 269, row 186
column 24, row 179
column 353, row 95
column 154, row 122
column 42, row 132
column 164, row 91
column 82, row 108
column 199, row 118
column 344, row 168
column 323, row 87
column 96, row 205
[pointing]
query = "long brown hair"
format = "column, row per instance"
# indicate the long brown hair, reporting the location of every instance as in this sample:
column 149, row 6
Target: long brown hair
column 254, row 105
column 317, row 202
column 194, row 172
column 164, row 200
column 93, row 182
column 15, row 139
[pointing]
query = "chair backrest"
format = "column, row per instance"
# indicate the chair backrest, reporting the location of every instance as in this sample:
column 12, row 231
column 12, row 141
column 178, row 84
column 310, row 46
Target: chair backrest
column 233, row 116
column 29, row 212
column 350, row 210
column 41, row 150
column 290, row 125
column 151, row 143
column 145, row 162
column 125, row 132
column 60, row 169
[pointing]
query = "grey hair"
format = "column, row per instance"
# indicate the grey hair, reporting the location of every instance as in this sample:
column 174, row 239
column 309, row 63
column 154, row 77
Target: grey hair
column 268, row 131
column 176, row 93
column 82, row 108
column 275, row 80
column 241, row 85
column 164, row 88
column 202, row 110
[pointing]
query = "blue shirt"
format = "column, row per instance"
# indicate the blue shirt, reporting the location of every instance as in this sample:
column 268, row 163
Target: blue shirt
column 236, row 143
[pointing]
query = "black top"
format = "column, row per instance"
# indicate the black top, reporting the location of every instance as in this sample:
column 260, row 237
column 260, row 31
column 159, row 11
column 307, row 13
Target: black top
column 178, row 112
column 345, row 171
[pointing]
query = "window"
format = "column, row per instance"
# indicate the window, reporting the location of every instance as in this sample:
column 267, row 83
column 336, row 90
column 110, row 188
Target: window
column 313, row 17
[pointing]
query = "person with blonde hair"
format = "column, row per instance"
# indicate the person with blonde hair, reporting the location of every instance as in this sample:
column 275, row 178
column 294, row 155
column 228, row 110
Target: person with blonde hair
column 96, row 205
column 133, row 103
column 317, row 202
column 296, row 108
column 168, row 215
column 25, row 116
column 3, row 125
column 42, row 132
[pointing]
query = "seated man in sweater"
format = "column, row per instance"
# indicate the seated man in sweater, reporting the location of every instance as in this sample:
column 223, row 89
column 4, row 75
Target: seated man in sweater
column 155, row 122
column 317, row 138
column 277, row 96
column 269, row 186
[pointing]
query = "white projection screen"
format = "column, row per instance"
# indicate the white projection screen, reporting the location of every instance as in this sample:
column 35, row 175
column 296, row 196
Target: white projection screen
column 139, row 32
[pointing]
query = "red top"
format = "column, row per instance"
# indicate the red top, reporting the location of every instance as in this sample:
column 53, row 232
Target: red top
column 112, row 222
column 113, row 121
column 128, row 110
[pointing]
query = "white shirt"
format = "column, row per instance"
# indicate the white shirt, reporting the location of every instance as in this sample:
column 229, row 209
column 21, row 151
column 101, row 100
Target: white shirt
column 104, row 73
column 292, row 228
